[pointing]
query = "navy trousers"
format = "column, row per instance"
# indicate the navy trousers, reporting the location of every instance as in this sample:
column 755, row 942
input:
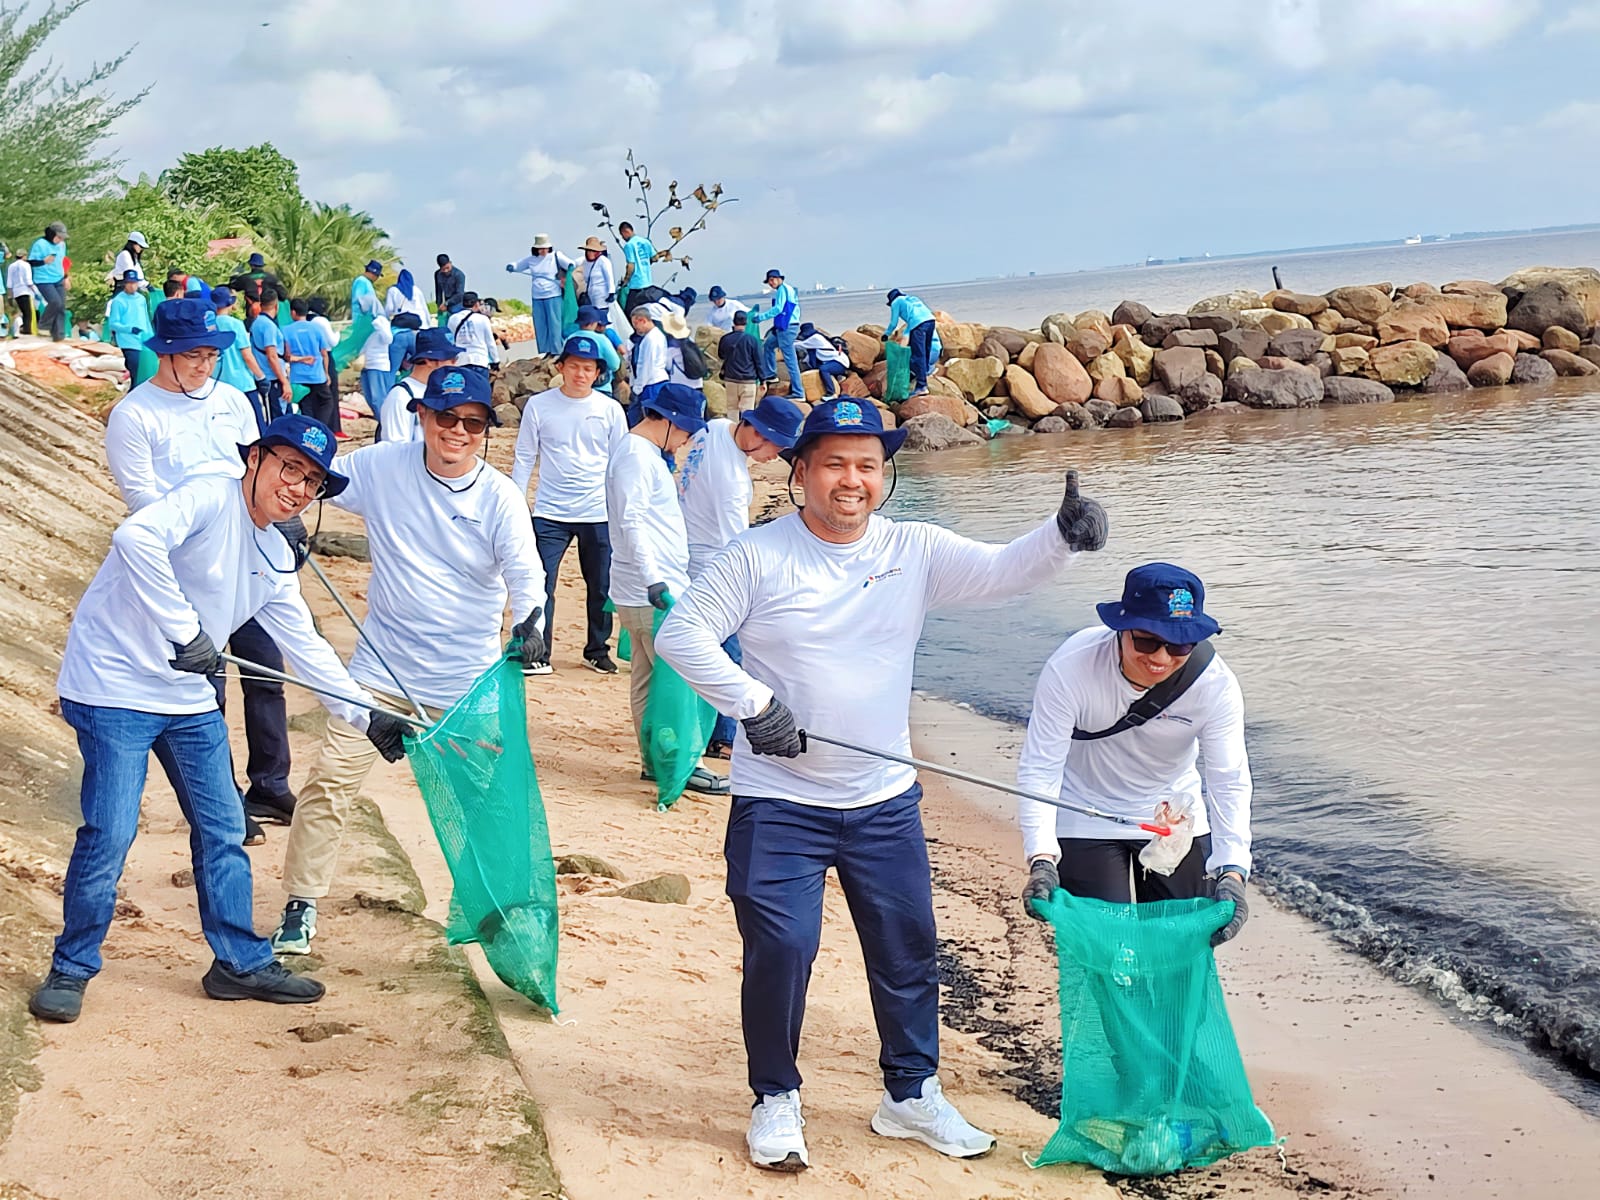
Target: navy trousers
column 594, row 560
column 778, row 854
column 266, row 716
column 920, row 339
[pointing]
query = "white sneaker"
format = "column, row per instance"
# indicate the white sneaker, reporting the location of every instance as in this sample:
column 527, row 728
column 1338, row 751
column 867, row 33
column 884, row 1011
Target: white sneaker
column 775, row 1140
column 933, row 1121
column 538, row 668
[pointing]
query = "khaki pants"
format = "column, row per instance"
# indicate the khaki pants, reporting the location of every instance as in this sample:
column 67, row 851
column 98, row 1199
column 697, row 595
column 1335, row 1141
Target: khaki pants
column 343, row 761
column 640, row 624
column 741, row 396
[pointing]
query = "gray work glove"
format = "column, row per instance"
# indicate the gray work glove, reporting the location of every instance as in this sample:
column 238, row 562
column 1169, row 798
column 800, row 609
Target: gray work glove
column 1043, row 880
column 773, row 731
column 294, row 532
column 1231, row 887
column 199, row 656
column 1081, row 520
column 527, row 630
column 387, row 734
column 660, row 598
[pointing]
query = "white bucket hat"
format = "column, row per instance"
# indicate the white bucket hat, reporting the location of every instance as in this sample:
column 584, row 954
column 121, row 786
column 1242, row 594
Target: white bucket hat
column 541, row 241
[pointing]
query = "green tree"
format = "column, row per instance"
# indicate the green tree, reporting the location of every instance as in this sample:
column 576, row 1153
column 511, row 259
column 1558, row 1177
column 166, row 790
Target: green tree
column 245, row 183
column 50, row 127
column 317, row 249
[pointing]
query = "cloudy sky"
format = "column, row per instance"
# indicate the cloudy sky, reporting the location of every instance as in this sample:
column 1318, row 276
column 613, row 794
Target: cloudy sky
column 905, row 141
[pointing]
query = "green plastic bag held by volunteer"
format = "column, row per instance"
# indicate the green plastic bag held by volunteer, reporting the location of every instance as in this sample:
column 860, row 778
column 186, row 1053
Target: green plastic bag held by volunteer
column 349, row 346
column 149, row 361
column 677, row 725
column 624, row 642
column 1152, row 1081
column 476, row 774
column 897, row 382
column 569, row 308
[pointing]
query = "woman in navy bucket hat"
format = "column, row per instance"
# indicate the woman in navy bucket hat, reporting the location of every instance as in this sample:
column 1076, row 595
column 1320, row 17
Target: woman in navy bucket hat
column 1089, row 744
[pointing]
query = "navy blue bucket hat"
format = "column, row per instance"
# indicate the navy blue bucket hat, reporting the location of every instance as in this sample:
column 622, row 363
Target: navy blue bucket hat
column 776, row 419
column 452, row 388
column 679, row 404
column 434, row 345
column 1163, row 600
column 894, row 294
column 582, row 345
column 307, row 435
column 845, row 416
column 183, row 324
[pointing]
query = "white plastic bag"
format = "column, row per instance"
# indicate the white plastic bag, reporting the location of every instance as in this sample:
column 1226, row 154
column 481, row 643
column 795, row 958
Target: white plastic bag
column 1163, row 854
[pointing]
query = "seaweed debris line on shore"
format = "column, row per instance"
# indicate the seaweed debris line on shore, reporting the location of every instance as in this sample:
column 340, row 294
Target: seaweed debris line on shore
column 1361, row 344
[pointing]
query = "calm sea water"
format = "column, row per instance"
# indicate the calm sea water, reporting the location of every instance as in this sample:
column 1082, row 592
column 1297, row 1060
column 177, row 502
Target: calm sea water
column 1408, row 594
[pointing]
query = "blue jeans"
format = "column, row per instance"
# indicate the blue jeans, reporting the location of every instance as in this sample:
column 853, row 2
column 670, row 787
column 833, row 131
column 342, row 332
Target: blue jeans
column 193, row 750
column 375, row 386
column 594, row 559
column 782, row 341
column 920, row 338
column 778, row 855
column 547, row 324
column 405, row 341
column 831, row 371
column 726, row 726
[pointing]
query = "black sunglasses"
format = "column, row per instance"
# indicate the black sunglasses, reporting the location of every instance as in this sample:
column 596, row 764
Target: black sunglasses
column 449, row 420
column 1146, row 643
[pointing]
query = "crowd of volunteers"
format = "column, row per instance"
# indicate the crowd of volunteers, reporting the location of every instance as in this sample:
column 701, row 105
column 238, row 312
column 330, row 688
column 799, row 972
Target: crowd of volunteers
column 810, row 621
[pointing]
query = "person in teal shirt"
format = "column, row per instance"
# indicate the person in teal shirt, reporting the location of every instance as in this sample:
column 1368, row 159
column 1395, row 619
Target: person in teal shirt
column 638, row 253
column 266, row 339
column 918, row 320
column 48, row 256
column 237, row 364
column 784, row 313
column 128, row 319
column 592, row 319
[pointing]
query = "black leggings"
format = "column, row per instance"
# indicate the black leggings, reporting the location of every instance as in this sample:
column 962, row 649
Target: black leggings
column 1098, row 869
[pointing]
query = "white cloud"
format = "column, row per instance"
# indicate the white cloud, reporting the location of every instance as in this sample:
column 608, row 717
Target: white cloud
column 1580, row 18
column 538, row 167
column 363, row 189
column 347, row 108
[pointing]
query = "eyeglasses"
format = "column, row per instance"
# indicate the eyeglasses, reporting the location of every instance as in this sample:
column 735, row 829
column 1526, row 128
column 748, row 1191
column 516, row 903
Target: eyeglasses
column 294, row 474
column 1146, row 643
column 201, row 357
column 449, row 420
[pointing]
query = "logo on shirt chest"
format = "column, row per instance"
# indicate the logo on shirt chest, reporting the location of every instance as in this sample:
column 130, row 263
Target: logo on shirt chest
column 891, row 573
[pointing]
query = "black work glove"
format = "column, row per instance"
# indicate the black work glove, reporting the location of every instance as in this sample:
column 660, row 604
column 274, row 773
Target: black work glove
column 1231, row 887
column 772, row 731
column 387, row 734
column 532, row 640
column 1081, row 520
column 660, row 598
column 1043, row 879
column 294, row 532
column 199, row 656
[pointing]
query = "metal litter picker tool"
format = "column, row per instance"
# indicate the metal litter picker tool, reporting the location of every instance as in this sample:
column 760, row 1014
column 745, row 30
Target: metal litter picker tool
column 362, row 634
column 260, row 672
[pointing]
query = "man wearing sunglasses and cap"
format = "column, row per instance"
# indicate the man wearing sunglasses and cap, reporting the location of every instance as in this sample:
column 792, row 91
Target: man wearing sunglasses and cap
column 1084, row 745
column 828, row 604
column 450, row 539
column 184, row 572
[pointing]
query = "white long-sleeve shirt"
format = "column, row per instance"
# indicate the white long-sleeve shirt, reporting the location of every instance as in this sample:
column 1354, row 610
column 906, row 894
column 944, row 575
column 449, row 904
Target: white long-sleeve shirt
column 570, row 441
column 649, row 361
column 192, row 561
column 600, row 281
column 19, row 279
column 1131, row 772
column 832, row 630
column 156, row 439
column 546, row 272
column 721, row 316
column 472, row 332
column 445, row 553
column 648, row 541
column 396, row 302
column 396, row 421
column 715, row 490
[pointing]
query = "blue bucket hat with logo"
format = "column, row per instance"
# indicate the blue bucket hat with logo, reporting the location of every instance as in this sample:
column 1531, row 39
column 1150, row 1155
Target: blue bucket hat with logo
column 183, row 324
column 1164, row 600
column 583, row 345
column 679, row 404
column 307, row 435
column 453, row 387
column 434, row 345
column 845, row 416
column 776, row 419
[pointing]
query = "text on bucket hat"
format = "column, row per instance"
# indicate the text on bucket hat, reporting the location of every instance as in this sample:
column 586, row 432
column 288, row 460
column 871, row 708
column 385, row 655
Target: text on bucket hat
column 1164, row 600
column 311, row 438
column 860, row 417
column 434, row 345
column 775, row 418
column 582, row 345
column 679, row 404
column 183, row 324
column 454, row 387
column 130, row 277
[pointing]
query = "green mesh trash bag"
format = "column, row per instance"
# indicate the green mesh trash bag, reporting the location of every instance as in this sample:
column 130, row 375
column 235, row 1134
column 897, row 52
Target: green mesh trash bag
column 476, row 774
column 350, row 344
column 624, row 641
column 676, row 727
column 897, row 382
column 1152, row 1081
column 149, row 361
column 569, row 308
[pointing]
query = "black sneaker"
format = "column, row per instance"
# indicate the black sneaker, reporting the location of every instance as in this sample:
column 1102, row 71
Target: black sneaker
column 279, row 810
column 538, row 667
column 254, row 835
column 59, row 998
column 271, row 983
column 601, row 662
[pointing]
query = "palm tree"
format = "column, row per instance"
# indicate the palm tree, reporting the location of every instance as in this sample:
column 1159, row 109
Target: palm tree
column 317, row 249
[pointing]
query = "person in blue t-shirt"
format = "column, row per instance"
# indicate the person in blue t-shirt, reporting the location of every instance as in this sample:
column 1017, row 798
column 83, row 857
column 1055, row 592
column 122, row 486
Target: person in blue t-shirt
column 266, row 339
column 128, row 320
column 304, row 342
column 918, row 320
column 48, row 257
column 784, row 313
column 638, row 253
column 237, row 365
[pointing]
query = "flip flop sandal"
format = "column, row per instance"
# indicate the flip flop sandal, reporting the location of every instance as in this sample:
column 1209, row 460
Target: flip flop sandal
column 706, row 783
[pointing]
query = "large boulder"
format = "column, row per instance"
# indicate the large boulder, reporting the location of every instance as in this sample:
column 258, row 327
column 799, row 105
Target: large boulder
column 1061, row 376
column 975, row 377
column 1242, row 343
column 1161, row 408
column 1568, row 364
column 863, row 350
column 1298, row 345
column 1026, row 397
column 1354, row 339
column 993, row 347
column 1088, row 343
column 1107, row 364
column 1363, row 303
column 1413, row 322
column 958, row 411
column 1348, row 360
column 1155, row 330
column 1051, row 424
column 1218, row 323
column 1093, row 318
column 1444, row 379
column 1303, row 303
column 877, row 378
column 1122, row 392
column 1341, row 390
column 1401, row 364
column 1582, row 283
column 1131, row 312
column 1012, row 339
column 1057, row 327
column 1025, row 358
column 1494, row 371
column 1258, row 387
column 1201, row 339
column 1124, row 418
column 934, row 431
column 960, row 339
column 1557, row 338
column 1180, row 366
column 851, row 385
column 1136, row 354
column 1203, row 393
column 1076, row 416
column 1470, row 345
column 1470, row 287
column 1229, row 302
column 1464, row 311
column 1531, row 368
column 1276, row 321
column 716, row 394
column 1546, row 304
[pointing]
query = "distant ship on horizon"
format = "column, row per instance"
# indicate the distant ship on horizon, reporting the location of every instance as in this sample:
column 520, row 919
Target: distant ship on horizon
column 1414, row 240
